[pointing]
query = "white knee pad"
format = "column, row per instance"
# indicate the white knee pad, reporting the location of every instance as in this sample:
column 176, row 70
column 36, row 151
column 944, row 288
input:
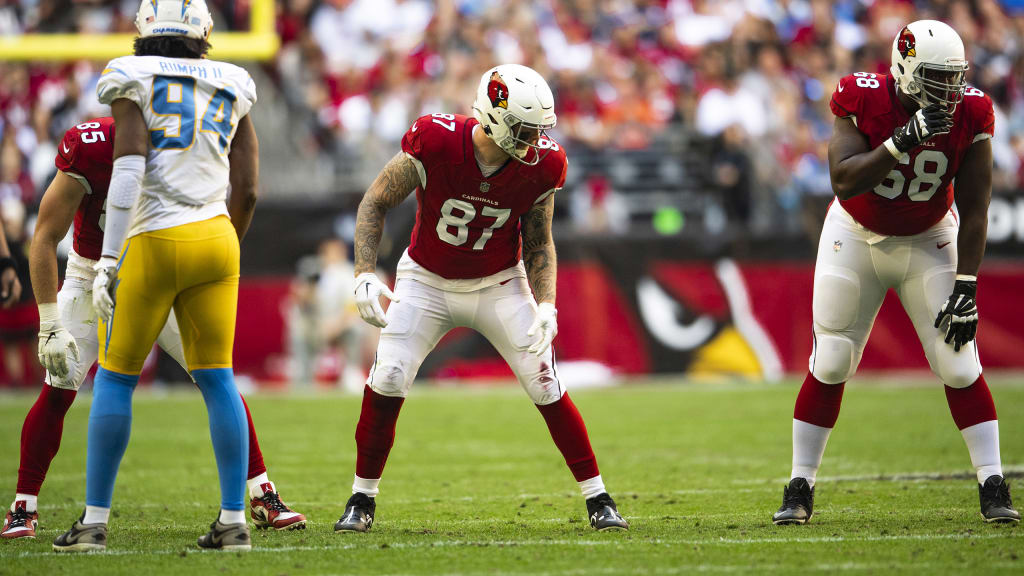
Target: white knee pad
column 76, row 375
column 832, row 358
column 957, row 369
column 544, row 388
column 389, row 379
column 836, row 301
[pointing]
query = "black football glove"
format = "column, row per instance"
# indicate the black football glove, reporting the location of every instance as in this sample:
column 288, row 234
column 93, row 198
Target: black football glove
column 927, row 122
column 959, row 315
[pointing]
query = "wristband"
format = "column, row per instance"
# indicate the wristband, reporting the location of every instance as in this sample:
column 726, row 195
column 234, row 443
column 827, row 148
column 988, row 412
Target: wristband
column 49, row 317
column 966, row 278
column 891, row 147
column 7, row 262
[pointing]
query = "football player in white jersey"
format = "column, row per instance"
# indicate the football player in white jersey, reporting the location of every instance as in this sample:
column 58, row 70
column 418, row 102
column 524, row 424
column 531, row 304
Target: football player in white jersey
column 181, row 120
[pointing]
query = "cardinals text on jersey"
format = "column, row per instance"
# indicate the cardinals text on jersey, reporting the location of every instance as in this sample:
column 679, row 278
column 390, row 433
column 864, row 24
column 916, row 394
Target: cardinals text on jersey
column 918, row 191
column 467, row 225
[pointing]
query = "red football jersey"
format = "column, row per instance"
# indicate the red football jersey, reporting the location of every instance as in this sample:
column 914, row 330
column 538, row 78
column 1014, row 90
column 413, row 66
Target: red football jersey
column 87, row 154
column 467, row 226
column 919, row 190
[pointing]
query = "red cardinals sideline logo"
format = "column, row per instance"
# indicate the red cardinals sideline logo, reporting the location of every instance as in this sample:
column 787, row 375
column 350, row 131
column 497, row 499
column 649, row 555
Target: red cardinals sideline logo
column 906, row 44
column 497, row 91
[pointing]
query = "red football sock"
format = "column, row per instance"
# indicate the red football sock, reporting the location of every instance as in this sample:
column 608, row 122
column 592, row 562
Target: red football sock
column 375, row 433
column 570, row 435
column 818, row 403
column 971, row 405
column 256, row 466
column 40, row 436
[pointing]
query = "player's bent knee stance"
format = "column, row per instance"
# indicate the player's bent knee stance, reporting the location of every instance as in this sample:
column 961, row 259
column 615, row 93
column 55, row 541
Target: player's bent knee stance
column 389, row 378
column 544, row 387
column 958, row 371
column 832, row 359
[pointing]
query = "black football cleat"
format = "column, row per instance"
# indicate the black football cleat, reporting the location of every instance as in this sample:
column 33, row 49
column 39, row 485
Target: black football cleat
column 233, row 537
column 604, row 516
column 82, row 538
column 996, row 505
column 358, row 516
column 797, row 503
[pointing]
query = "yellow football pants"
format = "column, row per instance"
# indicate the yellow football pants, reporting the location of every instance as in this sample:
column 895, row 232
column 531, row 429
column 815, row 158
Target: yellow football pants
column 192, row 268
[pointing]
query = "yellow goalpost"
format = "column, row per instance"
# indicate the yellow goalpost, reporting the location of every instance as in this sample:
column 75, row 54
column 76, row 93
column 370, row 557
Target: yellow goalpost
column 259, row 43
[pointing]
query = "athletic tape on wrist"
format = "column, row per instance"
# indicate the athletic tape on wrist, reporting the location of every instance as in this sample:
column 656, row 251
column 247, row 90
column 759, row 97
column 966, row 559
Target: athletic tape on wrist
column 49, row 316
column 891, row 147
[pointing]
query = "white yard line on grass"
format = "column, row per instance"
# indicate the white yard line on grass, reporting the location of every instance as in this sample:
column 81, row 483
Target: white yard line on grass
column 569, row 542
column 916, row 477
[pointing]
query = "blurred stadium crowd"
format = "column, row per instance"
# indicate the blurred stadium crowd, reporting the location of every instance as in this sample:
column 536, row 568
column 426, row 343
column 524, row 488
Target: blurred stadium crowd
column 739, row 86
column 671, row 110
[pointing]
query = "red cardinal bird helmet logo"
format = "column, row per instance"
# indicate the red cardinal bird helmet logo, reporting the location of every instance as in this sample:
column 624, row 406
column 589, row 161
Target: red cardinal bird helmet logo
column 906, row 44
column 497, row 91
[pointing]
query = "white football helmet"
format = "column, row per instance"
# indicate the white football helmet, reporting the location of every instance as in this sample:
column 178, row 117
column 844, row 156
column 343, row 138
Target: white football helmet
column 928, row 63
column 189, row 18
column 514, row 106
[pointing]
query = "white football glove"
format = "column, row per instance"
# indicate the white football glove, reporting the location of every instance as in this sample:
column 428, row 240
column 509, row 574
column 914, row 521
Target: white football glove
column 368, row 291
column 546, row 322
column 103, row 287
column 55, row 345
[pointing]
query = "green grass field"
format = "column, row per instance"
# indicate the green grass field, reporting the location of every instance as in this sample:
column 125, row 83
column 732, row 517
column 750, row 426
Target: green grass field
column 475, row 486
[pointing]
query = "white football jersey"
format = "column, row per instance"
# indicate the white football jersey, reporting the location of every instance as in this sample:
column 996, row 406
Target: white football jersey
column 192, row 107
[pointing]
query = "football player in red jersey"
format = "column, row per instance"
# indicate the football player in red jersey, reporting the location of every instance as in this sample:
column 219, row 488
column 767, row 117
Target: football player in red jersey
column 482, row 239
column 68, row 344
column 905, row 146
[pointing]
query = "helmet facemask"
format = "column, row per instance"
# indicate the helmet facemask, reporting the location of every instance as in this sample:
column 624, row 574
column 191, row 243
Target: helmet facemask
column 940, row 84
column 523, row 138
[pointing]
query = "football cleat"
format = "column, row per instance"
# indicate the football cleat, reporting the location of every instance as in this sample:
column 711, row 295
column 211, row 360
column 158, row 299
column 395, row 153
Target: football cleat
column 82, row 538
column 358, row 516
column 226, row 537
column 797, row 503
column 996, row 505
column 604, row 516
column 268, row 511
column 21, row 523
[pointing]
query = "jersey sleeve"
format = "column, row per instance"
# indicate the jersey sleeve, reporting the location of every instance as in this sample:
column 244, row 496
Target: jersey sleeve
column 846, row 98
column 416, row 145
column 67, row 151
column 118, row 80
column 555, row 170
column 245, row 91
column 415, row 137
column 983, row 118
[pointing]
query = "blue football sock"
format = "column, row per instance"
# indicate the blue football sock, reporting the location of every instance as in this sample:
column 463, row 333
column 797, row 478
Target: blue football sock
column 229, row 430
column 110, row 425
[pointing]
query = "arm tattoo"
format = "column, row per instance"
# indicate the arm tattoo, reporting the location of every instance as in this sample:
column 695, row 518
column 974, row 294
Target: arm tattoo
column 394, row 183
column 539, row 250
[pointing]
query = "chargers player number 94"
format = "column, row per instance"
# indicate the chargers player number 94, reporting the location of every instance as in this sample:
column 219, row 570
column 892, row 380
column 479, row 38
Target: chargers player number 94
column 174, row 96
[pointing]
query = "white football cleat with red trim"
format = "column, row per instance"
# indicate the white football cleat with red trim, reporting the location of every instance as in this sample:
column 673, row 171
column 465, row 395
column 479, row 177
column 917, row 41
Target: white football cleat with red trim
column 267, row 511
column 20, row 523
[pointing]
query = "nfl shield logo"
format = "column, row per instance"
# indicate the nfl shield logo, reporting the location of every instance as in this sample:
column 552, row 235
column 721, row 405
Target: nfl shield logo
column 484, row 187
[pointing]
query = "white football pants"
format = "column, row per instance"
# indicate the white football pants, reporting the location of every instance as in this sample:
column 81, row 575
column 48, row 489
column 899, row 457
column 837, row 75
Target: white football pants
column 74, row 301
column 503, row 313
column 854, row 269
